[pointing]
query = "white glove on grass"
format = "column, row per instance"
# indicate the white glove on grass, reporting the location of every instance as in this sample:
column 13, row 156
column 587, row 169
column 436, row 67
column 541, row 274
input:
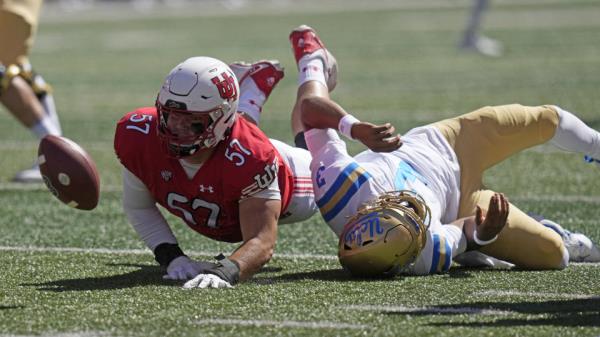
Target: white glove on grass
column 206, row 281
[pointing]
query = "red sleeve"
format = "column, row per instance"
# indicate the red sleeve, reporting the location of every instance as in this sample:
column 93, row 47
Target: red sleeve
column 135, row 133
column 261, row 166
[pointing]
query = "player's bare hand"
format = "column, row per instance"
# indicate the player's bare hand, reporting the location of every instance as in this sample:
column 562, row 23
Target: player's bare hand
column 490, row 224
column 378, row 138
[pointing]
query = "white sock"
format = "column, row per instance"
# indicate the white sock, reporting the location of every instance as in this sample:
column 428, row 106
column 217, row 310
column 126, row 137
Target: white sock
column 574, row 136
column 50, row 109
column 45, row 127
column 251, row 100
column 311, row 69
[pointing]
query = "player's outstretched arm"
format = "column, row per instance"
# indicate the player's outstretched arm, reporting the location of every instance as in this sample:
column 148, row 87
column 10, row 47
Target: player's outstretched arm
column 151, row 226
column 321, row 112
column 258, row 222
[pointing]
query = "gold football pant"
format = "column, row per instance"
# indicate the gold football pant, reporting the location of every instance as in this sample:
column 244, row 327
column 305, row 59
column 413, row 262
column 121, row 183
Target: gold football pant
column 482, row 139
column 16, row 35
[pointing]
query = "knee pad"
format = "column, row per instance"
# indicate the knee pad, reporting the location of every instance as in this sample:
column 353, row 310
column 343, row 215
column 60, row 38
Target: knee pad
column 7, row 74
column 35, row 80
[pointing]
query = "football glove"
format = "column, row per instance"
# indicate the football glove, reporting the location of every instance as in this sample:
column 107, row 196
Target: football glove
column 207, row 281
column 184, row 268
column 474, row 258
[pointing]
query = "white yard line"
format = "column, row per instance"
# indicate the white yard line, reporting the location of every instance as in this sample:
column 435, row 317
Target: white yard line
column 426, row 310
column 282, row 324
column 193, row 253
column 146, row 252
column 503, row 293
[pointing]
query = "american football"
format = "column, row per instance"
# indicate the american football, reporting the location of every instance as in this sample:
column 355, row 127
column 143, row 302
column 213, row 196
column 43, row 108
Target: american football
column 69, row 172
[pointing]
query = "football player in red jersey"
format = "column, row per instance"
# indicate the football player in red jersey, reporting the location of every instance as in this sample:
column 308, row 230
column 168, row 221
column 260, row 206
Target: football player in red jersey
column 201, row 160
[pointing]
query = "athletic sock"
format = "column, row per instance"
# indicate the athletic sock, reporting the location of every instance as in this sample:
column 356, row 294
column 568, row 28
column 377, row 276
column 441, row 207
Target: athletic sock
column 50, row 108
column 45, row 127
column 311, row 69
column 251, row 100
column 574, row 135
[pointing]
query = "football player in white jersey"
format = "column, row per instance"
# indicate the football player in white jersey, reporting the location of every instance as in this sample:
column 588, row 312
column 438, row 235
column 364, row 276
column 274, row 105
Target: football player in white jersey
column 395, row 208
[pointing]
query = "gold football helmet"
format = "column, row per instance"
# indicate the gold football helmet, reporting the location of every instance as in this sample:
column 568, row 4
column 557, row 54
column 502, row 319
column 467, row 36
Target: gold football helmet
column 385, row 235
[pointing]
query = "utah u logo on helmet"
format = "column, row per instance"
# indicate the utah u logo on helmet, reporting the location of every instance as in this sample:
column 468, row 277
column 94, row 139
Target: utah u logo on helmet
column 226, row 86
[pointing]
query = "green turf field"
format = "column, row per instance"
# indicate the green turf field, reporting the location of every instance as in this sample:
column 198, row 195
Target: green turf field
column 65, row 272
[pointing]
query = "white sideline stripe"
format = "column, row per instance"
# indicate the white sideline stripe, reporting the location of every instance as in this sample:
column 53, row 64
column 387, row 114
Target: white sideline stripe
column 117, row 188
column 535, row 294
column 426, row 310
column 282, row 324
column 146, row 252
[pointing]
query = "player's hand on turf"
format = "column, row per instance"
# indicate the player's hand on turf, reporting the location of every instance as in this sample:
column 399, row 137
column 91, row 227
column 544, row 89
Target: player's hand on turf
column 184, row 268
column 490, row 224
column 206, row 281
column 378, row 138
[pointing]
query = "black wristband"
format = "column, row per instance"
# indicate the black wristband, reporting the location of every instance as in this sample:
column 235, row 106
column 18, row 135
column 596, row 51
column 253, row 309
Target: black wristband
column 226, row 269
column 300, row 140
column 167, row 252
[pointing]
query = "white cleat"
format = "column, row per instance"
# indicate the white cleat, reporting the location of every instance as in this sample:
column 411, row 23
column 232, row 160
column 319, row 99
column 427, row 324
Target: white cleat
column 579, row 246
column 484, row 46
column 29, row 176
column 306, row 43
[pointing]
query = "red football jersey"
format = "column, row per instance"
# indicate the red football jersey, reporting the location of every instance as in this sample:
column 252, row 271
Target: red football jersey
column 243, row 163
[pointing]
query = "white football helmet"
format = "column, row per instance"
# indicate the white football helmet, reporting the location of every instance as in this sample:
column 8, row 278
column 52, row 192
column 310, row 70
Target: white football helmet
column 196, row 105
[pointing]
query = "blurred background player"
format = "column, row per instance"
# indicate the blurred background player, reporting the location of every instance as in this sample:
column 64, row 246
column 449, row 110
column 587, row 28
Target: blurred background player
column 23, row 92
column 473, row 39
column 438, row 172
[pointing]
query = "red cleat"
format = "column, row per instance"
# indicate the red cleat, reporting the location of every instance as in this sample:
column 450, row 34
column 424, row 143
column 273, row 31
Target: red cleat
column 306, row 43
column 265, row 74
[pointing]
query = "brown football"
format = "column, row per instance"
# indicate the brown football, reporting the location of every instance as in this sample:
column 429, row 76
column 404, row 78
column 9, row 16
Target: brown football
column 69, row 172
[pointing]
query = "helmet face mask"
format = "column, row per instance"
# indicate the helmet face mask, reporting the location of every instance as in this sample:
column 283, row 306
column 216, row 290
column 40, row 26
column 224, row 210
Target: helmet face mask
column 196, row 106
column 385, row 235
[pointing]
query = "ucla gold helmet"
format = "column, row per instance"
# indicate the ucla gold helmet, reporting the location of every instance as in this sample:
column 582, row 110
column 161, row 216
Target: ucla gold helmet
column 385, row 235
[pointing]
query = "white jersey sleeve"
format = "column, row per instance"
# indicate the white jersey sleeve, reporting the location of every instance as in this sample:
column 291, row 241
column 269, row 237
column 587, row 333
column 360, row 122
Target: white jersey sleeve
column 341, row 184
column 142, row 213
column 443, row 243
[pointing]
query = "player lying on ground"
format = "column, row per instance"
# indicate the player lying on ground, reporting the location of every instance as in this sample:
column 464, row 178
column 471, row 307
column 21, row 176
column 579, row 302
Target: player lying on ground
column 195, row 156
column 436, row 171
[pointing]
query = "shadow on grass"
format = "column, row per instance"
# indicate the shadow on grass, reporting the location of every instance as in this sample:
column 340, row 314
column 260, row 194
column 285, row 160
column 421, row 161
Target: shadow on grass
column 566, row 313
column 339, row 275
column 143, row 275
